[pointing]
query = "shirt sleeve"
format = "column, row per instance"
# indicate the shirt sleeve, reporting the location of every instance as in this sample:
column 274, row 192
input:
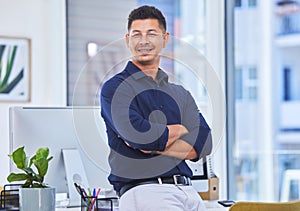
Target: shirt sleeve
column 123, row 117
column 199, row 135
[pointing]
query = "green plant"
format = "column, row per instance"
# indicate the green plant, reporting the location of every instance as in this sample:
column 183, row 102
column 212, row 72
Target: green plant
column 32, row 179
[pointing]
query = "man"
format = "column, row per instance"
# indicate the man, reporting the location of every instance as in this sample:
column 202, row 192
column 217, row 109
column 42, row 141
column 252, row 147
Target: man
column 153, row 126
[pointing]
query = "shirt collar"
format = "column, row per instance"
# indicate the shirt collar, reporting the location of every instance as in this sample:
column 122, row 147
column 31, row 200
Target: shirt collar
column 138, row 74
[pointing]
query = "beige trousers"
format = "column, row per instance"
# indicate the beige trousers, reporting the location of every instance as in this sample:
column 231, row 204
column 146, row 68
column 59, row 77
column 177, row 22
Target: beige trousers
column 161, row 197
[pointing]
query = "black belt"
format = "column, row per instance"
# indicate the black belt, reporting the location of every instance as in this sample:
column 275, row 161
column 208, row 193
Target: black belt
column 175, row 179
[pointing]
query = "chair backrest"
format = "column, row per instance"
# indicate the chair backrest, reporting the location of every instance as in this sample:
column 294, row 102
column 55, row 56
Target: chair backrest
column 266, row 206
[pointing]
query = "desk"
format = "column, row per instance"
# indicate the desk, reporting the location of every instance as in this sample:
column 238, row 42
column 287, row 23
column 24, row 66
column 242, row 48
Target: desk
column 213, row 205
column 210, row 205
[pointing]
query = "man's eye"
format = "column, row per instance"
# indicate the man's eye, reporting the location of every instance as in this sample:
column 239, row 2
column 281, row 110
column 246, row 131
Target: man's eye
column 152, row 35
column 136, row 35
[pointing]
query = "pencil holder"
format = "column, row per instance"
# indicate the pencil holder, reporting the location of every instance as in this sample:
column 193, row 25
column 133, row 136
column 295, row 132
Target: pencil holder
column 9, row 199
column 98, row 204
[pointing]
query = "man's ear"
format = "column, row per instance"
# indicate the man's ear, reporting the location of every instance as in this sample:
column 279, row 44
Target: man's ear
column 127, row 40
column 166, row 39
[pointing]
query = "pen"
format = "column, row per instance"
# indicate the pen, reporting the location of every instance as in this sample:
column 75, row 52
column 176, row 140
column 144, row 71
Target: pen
column 94, row 192
column 94, row 199
column 84, row 192
column 90, row 192
column 80, row 191
column 89, row 198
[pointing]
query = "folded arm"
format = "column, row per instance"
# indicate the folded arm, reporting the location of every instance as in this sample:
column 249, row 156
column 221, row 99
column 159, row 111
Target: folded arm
column 192, row 142
column 181, row 150
column 175, row 146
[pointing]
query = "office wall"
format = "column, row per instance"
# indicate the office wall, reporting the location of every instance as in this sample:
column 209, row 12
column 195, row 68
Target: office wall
column 43, row 22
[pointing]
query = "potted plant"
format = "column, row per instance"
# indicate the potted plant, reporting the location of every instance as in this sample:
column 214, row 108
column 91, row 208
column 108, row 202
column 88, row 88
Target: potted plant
column 34, row 193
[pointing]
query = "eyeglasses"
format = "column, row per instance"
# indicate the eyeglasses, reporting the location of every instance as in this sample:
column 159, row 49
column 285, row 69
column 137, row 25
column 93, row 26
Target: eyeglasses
column 149, row 36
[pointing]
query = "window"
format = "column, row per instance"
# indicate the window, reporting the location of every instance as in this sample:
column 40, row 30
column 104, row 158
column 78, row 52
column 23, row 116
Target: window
column 245, row 3
column 286, row 84
column 252, row 73
column 238, row 3
column 252, row 83
column 263, row 130
column 252, row 3
column 246, row 83
column 238, row 83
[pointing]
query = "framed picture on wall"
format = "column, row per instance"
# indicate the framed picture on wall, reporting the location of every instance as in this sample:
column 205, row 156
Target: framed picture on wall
column 14, row 69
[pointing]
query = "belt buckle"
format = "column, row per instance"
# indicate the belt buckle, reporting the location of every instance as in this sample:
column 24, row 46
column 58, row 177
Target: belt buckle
column 176, row 180
column 159, row 180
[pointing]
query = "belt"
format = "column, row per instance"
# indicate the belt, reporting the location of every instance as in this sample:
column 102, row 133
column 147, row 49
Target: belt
column 175, row 179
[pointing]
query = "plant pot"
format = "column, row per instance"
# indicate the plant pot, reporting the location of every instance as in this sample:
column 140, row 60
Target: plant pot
column 37, row 199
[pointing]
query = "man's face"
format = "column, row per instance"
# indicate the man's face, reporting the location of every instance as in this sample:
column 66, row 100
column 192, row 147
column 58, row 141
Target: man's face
column 145, row 40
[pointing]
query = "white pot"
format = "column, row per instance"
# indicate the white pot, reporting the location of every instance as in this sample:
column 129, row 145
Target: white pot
column 37, row 199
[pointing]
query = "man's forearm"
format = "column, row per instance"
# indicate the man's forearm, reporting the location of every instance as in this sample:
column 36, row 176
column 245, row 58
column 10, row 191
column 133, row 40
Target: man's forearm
column 181, row 150
column 176, row 147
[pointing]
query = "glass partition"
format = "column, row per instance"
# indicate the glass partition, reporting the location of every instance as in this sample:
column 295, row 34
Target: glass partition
column 265, row 134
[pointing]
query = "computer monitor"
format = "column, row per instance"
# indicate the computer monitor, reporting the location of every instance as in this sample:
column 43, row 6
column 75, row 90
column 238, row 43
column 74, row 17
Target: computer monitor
column 63, row 128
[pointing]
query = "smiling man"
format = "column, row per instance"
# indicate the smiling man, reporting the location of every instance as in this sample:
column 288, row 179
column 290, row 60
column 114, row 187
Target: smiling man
column 153, row 125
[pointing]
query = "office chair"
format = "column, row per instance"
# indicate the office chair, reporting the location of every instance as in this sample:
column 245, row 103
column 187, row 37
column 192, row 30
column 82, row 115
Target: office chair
column 266, row 206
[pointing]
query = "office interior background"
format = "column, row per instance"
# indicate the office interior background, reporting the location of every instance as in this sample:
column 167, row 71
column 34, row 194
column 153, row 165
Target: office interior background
column 251, row 44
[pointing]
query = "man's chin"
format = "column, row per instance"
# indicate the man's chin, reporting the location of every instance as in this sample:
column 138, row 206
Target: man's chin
column 145, row 59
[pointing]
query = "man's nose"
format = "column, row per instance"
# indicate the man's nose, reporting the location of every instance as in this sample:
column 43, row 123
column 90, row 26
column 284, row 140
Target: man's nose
column 144, row 38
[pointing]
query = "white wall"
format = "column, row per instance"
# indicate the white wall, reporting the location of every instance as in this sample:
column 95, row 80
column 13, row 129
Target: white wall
column 43, row 22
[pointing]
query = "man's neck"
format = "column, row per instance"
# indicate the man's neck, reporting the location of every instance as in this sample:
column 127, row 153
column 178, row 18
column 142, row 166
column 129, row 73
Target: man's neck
column 149, row 70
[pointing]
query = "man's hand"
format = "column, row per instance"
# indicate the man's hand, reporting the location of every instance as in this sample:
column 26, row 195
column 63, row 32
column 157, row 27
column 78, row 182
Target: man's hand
column 175, row 147
column 175, row 132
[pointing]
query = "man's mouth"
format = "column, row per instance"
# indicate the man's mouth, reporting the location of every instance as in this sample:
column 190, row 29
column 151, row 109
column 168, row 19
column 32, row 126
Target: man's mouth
column 144, row 51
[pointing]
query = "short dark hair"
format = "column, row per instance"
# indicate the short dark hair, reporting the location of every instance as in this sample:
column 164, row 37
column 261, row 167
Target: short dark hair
column 145, row 12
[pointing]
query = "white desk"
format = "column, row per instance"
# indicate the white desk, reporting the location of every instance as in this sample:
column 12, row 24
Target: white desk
column 208, row 209
column 213, row 205
column 210, row 205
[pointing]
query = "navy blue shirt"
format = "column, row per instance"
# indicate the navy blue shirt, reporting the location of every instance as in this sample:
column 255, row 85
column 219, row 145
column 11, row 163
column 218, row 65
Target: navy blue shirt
column 136, row 110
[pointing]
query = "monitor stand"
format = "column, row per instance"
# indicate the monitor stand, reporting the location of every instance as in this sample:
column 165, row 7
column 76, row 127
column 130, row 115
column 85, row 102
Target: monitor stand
column 75, row 173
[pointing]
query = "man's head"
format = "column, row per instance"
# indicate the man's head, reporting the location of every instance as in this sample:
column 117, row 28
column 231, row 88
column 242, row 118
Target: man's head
column 147, row 12
column 146, row 36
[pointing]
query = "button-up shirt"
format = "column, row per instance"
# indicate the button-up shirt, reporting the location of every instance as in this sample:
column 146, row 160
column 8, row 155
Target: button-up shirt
column 136, row 110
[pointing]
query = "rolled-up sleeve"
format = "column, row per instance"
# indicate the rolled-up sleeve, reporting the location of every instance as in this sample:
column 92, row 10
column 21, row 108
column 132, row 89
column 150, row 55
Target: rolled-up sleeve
column 199, row 135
